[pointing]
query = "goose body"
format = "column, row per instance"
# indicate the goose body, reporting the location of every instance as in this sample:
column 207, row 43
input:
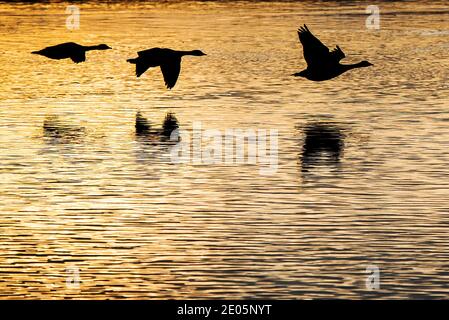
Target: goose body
column 71, row 50
column 322, row 64
column 167, row 59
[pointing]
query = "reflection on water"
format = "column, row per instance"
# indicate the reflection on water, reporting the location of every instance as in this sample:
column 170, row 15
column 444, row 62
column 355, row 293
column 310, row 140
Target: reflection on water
column 142, row 125
column 82, row 190
column 145, row 128
column 56, row 131
column 323, row 145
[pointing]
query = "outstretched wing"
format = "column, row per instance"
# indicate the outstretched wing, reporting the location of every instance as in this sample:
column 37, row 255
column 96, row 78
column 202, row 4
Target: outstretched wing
column 337, row 54
column 170, row 71
column 78, row 56
column 141, row 67
column 152, row 53
column 315, row 52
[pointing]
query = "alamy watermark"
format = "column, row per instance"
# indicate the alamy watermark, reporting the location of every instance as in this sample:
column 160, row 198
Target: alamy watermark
column 230, row 146
column 73, row 20
column 372, row 22
column 73, row 277
column 372, row 281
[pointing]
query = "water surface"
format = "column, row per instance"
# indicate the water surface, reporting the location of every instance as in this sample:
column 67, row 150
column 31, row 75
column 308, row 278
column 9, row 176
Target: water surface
column 363, row 159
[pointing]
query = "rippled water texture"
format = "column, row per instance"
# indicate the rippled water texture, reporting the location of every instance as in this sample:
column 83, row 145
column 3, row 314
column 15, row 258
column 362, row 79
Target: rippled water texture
column 363, row 159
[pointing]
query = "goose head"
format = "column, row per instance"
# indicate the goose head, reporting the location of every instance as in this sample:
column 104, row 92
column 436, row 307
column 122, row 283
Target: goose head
column 365, row 63
column 103, row 47
column 198, row 53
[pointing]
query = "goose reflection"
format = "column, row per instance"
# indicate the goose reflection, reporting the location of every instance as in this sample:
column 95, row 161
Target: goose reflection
column 58, row 132
column 167, row 133
column 154, row 143
column 323, row 145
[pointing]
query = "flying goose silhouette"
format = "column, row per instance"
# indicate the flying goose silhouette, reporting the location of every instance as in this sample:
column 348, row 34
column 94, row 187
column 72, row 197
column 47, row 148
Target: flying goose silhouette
column 322, row 64
column 169, row 60
column 71, row 50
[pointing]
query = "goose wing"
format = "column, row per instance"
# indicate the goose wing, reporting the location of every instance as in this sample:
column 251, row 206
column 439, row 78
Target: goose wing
column 144, row 53
column 141, row 67
column 78, row 56
column 170, row 71
column 315, row 52
column 153, row 53
column 337, row 54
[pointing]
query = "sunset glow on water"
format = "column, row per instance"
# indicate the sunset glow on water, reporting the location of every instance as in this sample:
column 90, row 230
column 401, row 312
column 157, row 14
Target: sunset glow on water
column 111, row 207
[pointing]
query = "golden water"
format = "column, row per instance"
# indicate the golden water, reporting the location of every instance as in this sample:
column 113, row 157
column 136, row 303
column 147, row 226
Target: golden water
column 136, row 225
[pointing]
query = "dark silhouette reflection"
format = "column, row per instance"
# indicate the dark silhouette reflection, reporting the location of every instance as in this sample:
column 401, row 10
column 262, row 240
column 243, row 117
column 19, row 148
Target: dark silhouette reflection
column 143, row 126
column 168, row 132
column 57, row 132
column 71, row 50
column 169, row 60
column 322, row 64
column 154, row 144
column 323, row 146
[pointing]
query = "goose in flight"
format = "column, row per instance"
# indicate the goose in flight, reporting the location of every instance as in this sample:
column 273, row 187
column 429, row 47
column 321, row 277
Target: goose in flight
column 169, row 60
column 71, row 50
column 322, row 64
